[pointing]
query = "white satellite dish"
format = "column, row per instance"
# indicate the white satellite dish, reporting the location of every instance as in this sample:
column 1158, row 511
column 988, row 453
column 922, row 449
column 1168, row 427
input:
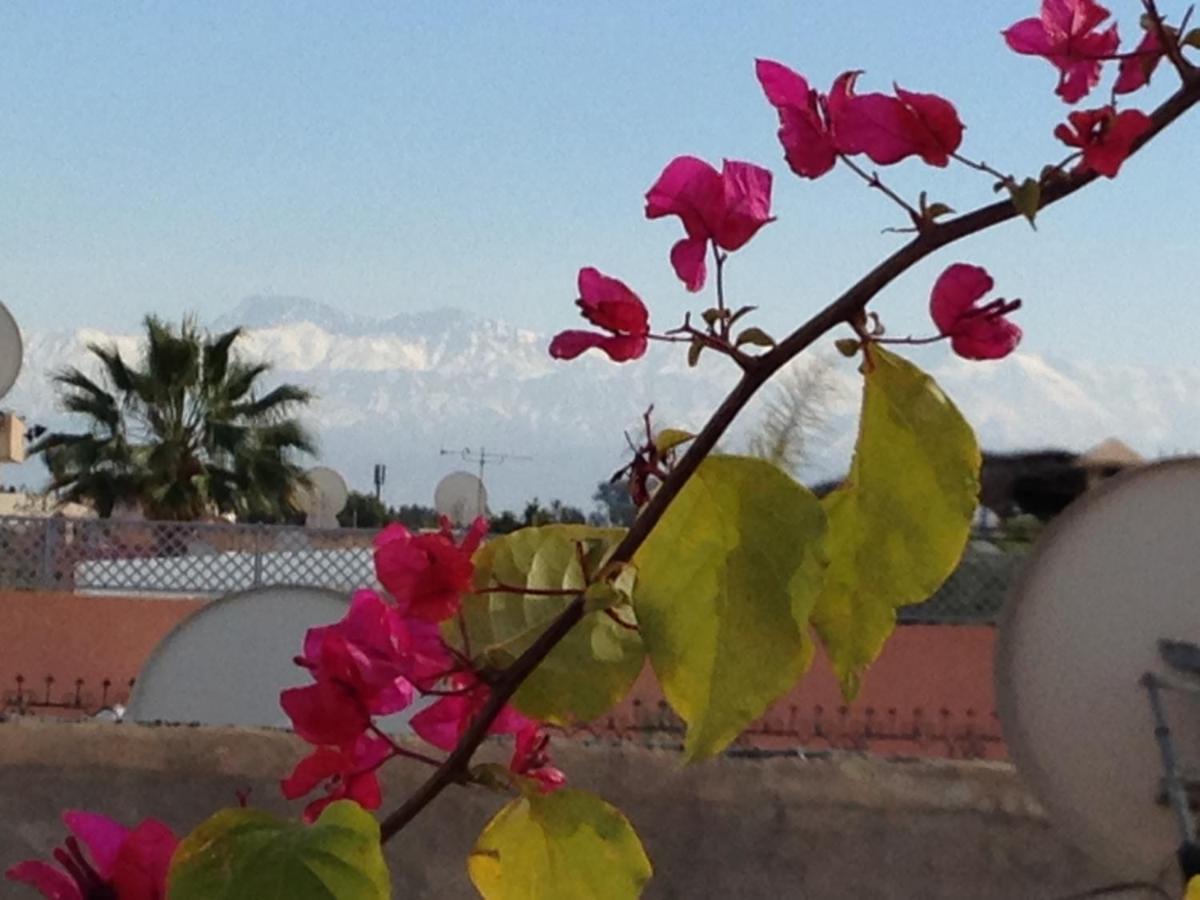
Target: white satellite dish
column 461, row 498
column 226, row 663
column 1117, row 573
column 11, row 350
column 324, row 498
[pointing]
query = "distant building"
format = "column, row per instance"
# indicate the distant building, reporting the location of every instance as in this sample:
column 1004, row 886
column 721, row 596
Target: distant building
column 1039, row 483
column 1043, row 483
column 25, row 503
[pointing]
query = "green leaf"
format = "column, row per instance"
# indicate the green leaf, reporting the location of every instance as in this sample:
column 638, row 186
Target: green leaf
column 1192, row 39
column 594, row 666
column 612, row 589
column 934, row 210
column 712, row 316
column 755, row 336
column 741, row 312
column 694, row 351
column 725, row 585
column 670, row 438
column 568, row 845
column 247, row 854
column 848, row 347
column 900, row 522
column 1027, row 198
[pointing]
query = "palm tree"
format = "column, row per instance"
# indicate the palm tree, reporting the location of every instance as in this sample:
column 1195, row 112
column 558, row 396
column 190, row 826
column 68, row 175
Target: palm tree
column 794, row 417
column 182, row 434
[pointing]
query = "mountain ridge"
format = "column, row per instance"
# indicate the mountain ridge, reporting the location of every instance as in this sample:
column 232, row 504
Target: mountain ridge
column 403, row 389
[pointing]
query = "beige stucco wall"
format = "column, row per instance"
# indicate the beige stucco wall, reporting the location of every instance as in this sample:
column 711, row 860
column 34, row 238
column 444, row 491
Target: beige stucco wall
column 827, row 828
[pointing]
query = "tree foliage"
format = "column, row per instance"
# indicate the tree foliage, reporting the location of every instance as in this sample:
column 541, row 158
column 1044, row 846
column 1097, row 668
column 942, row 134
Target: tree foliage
column 184, row 432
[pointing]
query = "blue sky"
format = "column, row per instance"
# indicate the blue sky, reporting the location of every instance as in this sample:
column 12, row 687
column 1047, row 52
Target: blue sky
column 397, row 156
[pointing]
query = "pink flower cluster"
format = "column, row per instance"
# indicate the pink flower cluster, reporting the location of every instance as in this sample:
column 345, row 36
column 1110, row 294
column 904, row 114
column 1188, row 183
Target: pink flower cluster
column 103, row 859
column 383, row 655
column 975, row 332
column 723, row 209
column 815, row 129
column 1067, row 35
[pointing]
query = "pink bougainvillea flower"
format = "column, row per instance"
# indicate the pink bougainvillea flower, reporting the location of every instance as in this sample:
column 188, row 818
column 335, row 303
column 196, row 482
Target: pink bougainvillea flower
column 815, row 129
column 932, row 124
column 103, row 859
column 804, row 128
column 427, row 574
column 889, row 129
column 1137, row 70
column 975, row 332
column 1065, row 35
column 379, row 651
column 530, row 759
column 1105, row 136
column 726, row 208
column 444, row 722
column 345, row 774
column 609, row 304
column 368, row 664
column 327, row 712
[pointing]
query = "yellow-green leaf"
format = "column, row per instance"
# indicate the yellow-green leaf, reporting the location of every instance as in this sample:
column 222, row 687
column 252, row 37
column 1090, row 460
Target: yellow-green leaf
column 755, row 336
column 670, row 438
column 1027, row 198
column 613, row 588
column 569, row 845
column 900, row 522
column 848, row 347
column 725, row 585
column 246, row 854
column 595, row 665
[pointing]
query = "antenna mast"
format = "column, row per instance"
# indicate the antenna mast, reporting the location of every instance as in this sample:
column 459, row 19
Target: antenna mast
column 482, row 458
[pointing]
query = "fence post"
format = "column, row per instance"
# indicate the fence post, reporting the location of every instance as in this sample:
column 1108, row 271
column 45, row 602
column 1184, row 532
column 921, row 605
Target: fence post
column 46, row 579
column 258, row 556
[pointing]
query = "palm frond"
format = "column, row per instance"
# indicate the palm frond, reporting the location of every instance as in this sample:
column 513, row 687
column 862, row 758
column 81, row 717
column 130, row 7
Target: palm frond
column 794, row 416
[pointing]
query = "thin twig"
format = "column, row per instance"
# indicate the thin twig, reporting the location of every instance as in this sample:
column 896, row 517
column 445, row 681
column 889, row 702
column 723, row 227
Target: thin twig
column 627, row 625
column 400, row 750
column 463, row 635
column 501, row 588
column 720, row 258
column 873, row 180
column 1166, row 40
column 982, row 167
column 845, row 308
column 909, row 341
column 713, row 341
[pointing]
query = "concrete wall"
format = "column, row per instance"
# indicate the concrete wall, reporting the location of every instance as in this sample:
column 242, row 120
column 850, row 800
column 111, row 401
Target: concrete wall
column 819, row 828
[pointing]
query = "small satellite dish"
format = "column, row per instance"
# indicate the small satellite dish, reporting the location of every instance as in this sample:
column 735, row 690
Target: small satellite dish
column 1080, row 659
column 324, row 498
column 461, row 498
column 226, row 663
column 11, row 350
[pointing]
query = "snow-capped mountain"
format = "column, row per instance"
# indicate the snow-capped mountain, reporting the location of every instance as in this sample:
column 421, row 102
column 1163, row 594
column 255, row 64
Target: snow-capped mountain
column 413, row 391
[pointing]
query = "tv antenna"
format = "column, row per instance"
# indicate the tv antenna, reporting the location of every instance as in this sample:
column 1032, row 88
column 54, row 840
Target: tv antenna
column 482, row 458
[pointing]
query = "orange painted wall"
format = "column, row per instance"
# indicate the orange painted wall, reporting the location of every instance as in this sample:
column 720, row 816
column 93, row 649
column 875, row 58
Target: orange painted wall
column 929, row 694
column 72, row 637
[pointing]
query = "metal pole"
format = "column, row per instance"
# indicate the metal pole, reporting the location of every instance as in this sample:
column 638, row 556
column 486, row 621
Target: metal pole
column 1176, row 792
